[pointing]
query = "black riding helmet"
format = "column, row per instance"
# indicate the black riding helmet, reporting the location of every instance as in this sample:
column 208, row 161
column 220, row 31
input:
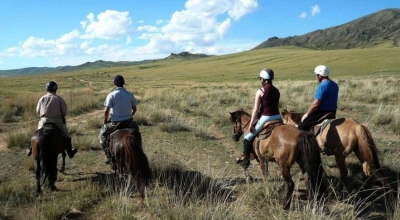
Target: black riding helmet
column 51, row 86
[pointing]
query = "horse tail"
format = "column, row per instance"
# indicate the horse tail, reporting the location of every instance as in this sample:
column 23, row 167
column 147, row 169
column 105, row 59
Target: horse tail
column 138, row 164
column 310, row 154
column 367, row 149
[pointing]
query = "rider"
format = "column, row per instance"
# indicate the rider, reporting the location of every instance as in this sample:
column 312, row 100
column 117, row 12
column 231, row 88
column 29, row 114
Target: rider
column 122, row 106
column 52, row 108
column 266, row 108
column 325, row 98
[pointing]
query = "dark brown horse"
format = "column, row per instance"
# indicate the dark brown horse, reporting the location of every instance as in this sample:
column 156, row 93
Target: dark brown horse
column 47, row 143
column 128, row 158
column 285, row 146
column 341, row 137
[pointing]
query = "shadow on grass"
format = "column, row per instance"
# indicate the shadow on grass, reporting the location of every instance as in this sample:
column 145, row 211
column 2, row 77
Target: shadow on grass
column 193, row 185
column 371, row 198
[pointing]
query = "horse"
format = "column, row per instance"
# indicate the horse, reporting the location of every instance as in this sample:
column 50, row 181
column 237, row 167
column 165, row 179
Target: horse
column 285, row 146
column 128, row 158
column 342, row 136
column 47, row 143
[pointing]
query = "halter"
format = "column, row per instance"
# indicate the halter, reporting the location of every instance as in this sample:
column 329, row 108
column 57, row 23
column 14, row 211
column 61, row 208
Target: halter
column 236, row 134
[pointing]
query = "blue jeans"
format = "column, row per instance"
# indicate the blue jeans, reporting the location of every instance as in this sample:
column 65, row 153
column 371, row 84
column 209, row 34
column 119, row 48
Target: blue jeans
column 260, row 125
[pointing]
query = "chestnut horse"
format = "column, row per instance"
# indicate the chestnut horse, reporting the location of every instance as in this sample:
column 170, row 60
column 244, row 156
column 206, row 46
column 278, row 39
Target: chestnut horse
column 47, row 143
column 128, row 158
column 285, row 146
column 342, row 136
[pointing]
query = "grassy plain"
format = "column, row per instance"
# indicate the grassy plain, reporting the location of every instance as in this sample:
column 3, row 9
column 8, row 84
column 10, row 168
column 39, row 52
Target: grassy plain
column 183, row 116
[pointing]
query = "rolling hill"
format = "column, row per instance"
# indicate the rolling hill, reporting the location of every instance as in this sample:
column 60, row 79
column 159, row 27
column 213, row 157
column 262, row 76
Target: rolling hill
column 380, row 28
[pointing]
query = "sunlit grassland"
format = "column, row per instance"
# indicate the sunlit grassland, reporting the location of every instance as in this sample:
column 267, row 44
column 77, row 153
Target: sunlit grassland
column 183, row 116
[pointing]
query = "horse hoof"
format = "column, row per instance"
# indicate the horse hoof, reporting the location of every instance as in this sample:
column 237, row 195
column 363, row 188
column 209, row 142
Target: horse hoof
column 53, row 188
column 62, row 170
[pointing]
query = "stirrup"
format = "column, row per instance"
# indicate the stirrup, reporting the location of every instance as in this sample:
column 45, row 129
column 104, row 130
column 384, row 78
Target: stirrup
column 244, row 163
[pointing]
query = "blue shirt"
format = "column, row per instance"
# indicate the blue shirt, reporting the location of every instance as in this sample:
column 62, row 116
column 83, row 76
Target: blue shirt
column 120, row 102
column 327, row 92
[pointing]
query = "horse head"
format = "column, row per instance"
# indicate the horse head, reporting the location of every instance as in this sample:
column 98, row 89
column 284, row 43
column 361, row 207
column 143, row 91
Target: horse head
column 236, row 121
column 291, row 118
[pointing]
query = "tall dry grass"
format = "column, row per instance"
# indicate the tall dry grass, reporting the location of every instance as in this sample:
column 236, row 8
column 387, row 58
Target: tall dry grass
column 186, row 132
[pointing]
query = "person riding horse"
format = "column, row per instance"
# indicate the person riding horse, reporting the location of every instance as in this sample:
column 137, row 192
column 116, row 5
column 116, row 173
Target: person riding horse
column 121, row 105
column 266, row 108
column 52, row 110
column 326, row 98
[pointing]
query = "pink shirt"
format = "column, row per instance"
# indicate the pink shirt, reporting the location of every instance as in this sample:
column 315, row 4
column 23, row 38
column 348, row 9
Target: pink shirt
column 51, row 106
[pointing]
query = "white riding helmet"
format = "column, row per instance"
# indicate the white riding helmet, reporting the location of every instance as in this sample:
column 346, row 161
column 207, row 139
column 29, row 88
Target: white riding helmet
column 321, row 70
column 267, row 74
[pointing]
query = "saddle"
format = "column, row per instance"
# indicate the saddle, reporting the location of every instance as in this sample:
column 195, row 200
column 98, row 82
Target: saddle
column 267, row 129
column 50, row 125
column 318, row 126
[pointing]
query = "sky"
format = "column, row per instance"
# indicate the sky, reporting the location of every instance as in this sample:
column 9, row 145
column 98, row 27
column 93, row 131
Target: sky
column 51, row 33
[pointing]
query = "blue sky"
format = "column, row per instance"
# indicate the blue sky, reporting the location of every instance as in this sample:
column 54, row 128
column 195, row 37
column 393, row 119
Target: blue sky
column 50, row 33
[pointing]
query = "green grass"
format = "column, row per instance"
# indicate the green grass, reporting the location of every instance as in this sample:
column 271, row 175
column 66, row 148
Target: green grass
column 183, row 115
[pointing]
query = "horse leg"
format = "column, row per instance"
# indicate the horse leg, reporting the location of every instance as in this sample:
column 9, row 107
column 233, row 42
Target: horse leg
column 249, row 178
column 141, row 186
column 52, row 169
column 264, row 167
column 306, row 178
column 340, row 157
column 368, row 171
column 63, row 162
column 289, row 185
column 37, row 175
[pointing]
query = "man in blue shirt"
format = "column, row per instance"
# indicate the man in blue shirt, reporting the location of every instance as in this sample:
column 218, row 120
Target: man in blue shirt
column 121, row 106
column 325, row 99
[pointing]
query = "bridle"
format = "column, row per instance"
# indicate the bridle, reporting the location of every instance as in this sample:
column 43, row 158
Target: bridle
column 238, row 132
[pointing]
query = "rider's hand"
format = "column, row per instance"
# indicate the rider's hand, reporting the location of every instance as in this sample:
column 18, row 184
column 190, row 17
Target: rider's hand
column 252, row 129
column 304, row 117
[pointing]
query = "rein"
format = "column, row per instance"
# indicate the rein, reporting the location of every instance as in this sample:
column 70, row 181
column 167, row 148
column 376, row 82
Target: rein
column 241, row 127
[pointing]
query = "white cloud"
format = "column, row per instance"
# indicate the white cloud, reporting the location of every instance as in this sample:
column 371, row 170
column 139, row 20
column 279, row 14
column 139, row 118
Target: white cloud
column 241, row 8
column 159, row 21
column 110, row 35
column 315, row 10
column 128, row 40
column 69, row 37
column 109, row 24
column 85, row 45
column 148, row 28
column 303, row 15
column 201, row 24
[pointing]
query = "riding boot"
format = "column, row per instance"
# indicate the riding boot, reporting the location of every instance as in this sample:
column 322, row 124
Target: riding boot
column 246, row 152
column 70, row 151
column 29, row 150
column 107, row 159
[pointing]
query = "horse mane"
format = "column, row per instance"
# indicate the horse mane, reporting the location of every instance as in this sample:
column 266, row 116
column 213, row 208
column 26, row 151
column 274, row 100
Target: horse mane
column 237, row 113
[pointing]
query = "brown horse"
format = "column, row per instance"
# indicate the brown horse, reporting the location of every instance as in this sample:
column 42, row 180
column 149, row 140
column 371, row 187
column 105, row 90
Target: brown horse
column 342, row 136
column 285, row 146
column 47, row 143
column 128, row 158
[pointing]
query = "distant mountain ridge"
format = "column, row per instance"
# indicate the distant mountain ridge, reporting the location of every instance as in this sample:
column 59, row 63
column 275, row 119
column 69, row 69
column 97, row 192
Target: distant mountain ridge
column 379, row 28
column 92, row 65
